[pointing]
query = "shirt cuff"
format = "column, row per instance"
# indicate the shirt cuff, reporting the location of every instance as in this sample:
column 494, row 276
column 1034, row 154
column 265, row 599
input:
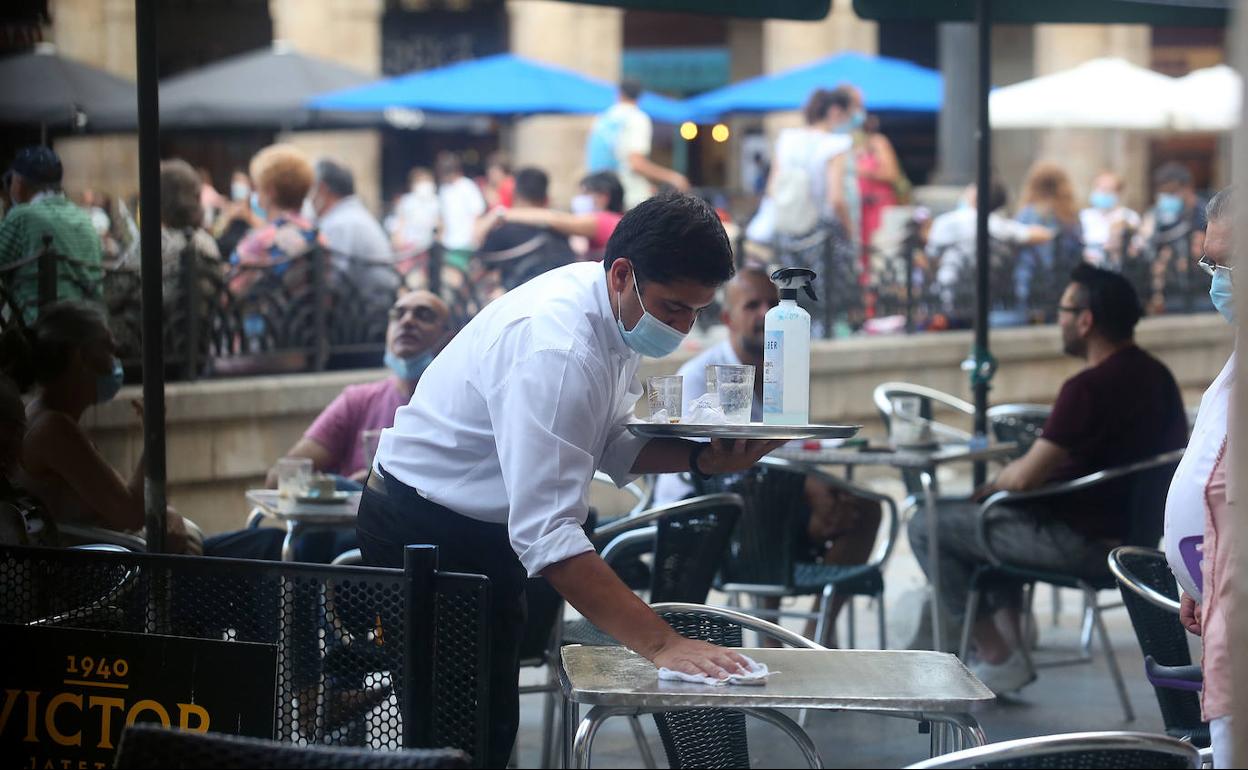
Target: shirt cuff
column 560, row 544
column 619, row 456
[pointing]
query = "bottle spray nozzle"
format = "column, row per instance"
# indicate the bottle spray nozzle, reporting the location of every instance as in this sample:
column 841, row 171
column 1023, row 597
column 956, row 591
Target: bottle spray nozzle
column 789, row 279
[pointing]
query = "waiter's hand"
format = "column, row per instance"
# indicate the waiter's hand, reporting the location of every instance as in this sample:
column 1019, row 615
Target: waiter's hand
column 1189, row 614
column 690, row 656
column 733, row 455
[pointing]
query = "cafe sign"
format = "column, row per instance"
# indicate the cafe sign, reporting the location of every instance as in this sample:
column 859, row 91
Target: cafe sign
column 67, row 694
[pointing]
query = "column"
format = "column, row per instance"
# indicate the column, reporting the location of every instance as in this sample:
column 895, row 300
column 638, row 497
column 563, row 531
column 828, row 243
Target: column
column 959, row 60
column 585, row 38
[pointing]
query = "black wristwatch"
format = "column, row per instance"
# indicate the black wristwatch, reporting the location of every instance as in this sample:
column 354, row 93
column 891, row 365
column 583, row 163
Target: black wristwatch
column 694, row 453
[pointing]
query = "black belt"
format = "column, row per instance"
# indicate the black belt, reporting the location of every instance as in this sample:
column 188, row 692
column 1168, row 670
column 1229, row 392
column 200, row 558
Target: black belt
column 376, row 481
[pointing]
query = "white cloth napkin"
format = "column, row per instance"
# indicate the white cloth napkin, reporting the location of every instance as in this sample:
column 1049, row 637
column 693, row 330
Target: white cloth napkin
column 756, row 677
column 705, row 410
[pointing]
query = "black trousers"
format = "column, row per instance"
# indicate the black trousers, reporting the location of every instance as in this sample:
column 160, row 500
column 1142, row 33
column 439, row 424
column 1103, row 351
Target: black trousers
column 401, row 517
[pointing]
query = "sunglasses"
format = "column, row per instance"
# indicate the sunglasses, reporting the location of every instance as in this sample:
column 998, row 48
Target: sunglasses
column 1209, row 266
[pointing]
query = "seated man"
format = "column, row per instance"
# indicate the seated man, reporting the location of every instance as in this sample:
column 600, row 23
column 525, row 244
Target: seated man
column 840, row 529
column 335, row 442
column 1123, row 408
column 513, row 252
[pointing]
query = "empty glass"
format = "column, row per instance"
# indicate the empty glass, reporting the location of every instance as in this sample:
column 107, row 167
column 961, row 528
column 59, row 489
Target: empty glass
column 666, row 396
column 293, row 476
column 906, row 426
column 733, row 384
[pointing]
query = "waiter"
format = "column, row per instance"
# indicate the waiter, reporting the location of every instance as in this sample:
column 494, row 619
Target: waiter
column 492, row 459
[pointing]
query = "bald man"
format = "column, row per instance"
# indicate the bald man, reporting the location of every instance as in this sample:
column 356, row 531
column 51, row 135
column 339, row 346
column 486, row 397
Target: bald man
column 840, row 529
column 334, row 442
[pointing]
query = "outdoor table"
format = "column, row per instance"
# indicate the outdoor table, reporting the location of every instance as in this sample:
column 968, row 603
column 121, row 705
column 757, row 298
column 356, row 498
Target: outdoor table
column 925, row 461
column 931, row 687
column 298, row 516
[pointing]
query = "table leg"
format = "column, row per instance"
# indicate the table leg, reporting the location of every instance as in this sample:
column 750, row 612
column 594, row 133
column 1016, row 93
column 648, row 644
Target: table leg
column 588, row 728
column 933, row 556
column 288, row 542
column 793, row 730
column 957, row 731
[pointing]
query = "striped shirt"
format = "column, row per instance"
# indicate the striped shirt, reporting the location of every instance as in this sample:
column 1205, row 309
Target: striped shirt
column 73, row 236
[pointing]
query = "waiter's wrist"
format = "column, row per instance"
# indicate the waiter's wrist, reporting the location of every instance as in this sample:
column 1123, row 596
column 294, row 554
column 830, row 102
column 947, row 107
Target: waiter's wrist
column 695, row 454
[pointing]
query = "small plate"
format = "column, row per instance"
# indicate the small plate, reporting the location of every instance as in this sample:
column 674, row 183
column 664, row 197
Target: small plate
column 754, row 430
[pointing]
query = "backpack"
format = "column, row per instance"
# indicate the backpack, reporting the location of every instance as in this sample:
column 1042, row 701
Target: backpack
column 795, row 210
column 600, row 150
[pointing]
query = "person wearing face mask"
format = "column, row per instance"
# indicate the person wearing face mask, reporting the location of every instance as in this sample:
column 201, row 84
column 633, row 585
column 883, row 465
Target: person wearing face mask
column 595, row 213
column 69, row 356
column 236, row 218
column 492, row 459
column 1170, row 238
column 335, row 441
column 416, row 215
column 1199, row 504
column 1107, row 223
column 348, row 227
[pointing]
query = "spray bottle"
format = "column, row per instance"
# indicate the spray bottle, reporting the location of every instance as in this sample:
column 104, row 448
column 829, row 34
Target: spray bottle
column 786, row 351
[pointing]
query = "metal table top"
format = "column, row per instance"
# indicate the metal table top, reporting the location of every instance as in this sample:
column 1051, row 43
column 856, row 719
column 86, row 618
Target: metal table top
column 343, row 513
column 918, row 459
column 847, row 680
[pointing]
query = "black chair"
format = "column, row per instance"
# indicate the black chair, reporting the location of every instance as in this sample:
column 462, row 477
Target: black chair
column 1141, row 487
column 762, row 560
column 150, row 747
column 1108, row 750
column 1021, row 424
column 1152, row 599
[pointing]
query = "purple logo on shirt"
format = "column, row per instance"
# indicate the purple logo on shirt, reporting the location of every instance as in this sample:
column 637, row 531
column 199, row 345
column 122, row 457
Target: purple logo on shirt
column 1190, row 550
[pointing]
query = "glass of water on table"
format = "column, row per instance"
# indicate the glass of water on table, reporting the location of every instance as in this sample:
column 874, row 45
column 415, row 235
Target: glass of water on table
column 734, row 386
column 666, row 396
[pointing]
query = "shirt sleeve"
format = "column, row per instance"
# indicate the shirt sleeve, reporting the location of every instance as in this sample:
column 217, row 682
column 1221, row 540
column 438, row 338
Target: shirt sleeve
column 335, row 429
column 546, row 411
column 11, row 238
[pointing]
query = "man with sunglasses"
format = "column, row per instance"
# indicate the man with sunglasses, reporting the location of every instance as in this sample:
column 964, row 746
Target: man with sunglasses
column 1198, row 505
column 1123, row 407
column 492, row 459
column 334, row 442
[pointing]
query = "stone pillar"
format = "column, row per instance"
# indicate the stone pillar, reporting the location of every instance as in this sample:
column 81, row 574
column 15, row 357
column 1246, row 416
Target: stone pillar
column 788, row 44
column 355, row 41
column 101, row 34
column 1084, row 152
column 959, row 63
column 585, row 38
column 745, row 43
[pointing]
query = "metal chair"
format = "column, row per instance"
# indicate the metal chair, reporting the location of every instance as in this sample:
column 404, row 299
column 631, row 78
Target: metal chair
column 1109, row 750
column 717, row 737
column 80, row 534
column 1152, row 600
column 1142, row 490
column 929, row 398
column 1021, row 424
column 150, row 747
column 762, row 562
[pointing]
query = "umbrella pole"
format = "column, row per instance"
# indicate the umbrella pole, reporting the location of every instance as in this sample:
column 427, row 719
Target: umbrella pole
column 149, row 234
column 982, row 366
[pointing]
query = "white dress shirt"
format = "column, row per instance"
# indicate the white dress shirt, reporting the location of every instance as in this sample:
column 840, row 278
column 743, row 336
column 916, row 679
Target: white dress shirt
column 511, row 420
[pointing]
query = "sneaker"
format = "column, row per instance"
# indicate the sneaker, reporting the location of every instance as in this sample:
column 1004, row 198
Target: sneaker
column 1006, row 677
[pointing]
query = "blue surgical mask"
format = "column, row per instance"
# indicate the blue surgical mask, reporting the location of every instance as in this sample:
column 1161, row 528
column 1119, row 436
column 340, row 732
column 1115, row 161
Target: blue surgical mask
column 408, row 369
column 1169, row 207
column 1220, row 291
column 257, row 209
column 107, row 386
column 858, row 120
column 1105, row 201
column 650, row 337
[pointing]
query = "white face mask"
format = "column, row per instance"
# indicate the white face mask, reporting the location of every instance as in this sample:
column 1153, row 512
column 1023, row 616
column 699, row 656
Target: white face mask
column 583, row 204
column 239, row 191
column 424, row 188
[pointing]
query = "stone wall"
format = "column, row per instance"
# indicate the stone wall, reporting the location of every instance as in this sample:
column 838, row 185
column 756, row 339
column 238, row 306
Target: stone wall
column 224, row 434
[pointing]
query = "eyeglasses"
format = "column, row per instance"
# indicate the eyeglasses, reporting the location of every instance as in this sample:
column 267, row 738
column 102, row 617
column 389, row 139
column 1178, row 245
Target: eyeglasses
column 1209, row 266
column 1070, row 309
column 420, row 313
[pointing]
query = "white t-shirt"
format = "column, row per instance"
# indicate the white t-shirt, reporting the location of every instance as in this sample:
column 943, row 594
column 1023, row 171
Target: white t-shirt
column 811, row 149
column 416, row 217
column 952, row 238
column 1185, row 503
column 510, row 421
column 634, row 136
column 461, row 203
column 1097, row 225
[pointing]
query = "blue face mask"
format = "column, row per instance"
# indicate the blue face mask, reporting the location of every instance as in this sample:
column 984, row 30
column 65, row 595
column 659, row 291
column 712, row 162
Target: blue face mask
column 858, row 120
column 1220, row 291
column 1105, row 201
column 107, row 386
column 650, row 337
column 257, row 209
column 408, row 369
column 1169, row 207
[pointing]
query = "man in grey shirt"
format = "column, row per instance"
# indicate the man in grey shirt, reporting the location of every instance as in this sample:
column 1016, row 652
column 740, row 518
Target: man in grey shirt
column 349, row 228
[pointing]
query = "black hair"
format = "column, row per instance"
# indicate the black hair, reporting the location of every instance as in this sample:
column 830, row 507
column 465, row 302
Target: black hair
column 179, row 195
column 823, row 99
column 608, row 184
column 1221, row 205
column 337, row 177
column 997, row 196
column 672, row 237
column 1172, row 172
column 1114, row 304
column 41, row 354
column 532, row 185
column 631, row 89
